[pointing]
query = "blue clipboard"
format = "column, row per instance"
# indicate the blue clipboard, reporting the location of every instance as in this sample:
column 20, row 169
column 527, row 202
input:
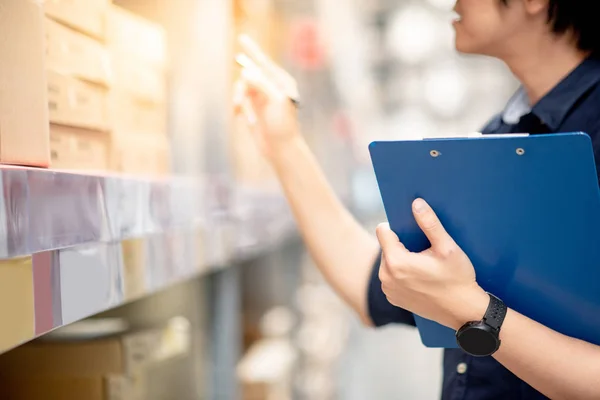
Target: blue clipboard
column 525, row 209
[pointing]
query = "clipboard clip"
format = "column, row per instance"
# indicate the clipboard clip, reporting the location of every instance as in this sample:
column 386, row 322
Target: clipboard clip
column 502, row 135
column 475, row 135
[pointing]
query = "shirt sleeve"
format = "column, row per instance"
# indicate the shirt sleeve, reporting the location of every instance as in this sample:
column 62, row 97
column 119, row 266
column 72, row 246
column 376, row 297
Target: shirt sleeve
column 381, row 311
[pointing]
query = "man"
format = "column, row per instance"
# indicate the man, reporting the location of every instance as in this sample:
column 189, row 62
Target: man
column 551, row 46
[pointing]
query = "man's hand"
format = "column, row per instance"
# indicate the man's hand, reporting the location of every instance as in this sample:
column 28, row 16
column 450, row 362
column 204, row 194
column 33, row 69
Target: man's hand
column 438, row 283
column 262, row 95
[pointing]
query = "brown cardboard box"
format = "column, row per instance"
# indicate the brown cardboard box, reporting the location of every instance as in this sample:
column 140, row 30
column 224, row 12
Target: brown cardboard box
column 255, row 391
column 131, row 114
column 87, row 16
column 79, row 149
column 24, row 138
column 121, row 355
column 16, row 301
column 257, row 21
column 76, row 103
column 141, row 154
column 71, row 387
column 74, row 54
column 138, row 78
column 131, row 35
column 134, row 266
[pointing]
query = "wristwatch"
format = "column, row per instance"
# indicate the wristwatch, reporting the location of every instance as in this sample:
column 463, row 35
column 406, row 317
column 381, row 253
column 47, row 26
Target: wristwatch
column 482, row 338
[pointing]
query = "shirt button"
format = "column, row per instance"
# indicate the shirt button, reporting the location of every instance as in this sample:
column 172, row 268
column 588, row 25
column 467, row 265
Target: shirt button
column 461, row 368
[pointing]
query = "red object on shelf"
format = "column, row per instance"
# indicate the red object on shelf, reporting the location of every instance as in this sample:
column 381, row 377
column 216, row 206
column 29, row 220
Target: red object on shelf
column 306, row 47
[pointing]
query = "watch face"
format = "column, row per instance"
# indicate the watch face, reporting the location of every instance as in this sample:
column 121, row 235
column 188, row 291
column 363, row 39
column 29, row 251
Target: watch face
column 477, row 341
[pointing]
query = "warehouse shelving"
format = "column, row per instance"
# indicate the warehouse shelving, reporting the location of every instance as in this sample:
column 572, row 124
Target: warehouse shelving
column 71, row 229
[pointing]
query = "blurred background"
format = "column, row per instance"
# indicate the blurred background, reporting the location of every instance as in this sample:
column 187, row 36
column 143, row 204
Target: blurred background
column 212, row 295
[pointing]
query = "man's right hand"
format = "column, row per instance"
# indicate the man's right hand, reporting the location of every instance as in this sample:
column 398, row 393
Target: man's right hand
column 263, row 96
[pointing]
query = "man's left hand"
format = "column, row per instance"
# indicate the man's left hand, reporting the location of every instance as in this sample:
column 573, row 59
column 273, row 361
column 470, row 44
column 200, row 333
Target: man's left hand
column 439, row 283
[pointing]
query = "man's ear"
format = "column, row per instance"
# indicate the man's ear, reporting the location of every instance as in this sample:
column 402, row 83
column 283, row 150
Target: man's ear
column 536, row 7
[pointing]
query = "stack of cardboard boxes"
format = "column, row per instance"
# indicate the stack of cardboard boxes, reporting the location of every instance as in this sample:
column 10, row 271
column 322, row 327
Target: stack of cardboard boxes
column 83, row 87
column 106, row 88
column 103, row 369
column 137, row 99
column 79, row 78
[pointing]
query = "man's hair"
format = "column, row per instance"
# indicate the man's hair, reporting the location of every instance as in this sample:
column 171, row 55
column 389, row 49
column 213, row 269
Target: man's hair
column 577, row 17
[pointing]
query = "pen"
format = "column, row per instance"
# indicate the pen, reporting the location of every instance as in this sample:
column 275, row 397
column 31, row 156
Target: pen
column 248, row 63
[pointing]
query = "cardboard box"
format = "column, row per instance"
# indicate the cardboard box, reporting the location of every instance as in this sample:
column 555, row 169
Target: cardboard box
column 79, row 149
column 16, row 302
column 24, row 137
column 138, row 78
column 134, row 266
column 86, row 16
column 135, row 37
column 260, row 21
column 121, row 355
column 71, row 387
column 74, row 54
column 141, row 154
column 131, row 114
column 76, row 103
column 255, row 391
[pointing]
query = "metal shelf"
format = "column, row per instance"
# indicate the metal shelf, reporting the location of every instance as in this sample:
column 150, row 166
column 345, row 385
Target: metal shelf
column 74, row 245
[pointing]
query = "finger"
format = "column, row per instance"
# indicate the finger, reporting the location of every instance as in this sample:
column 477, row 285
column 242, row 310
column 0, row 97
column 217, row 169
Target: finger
column 256, row 56
column 431, row 226
column 247, row 63
column 239, row 93
column 250, row 65
column 248, row 111
column 388, row 240
column 246, row 99
column 255, row 53
column 257, row 81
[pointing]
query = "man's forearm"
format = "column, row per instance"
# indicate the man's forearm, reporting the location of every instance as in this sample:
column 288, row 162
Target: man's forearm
column 342, row 249
column 556, row 365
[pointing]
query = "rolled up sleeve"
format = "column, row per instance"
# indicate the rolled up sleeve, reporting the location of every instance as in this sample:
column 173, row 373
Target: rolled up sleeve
column 381, row 311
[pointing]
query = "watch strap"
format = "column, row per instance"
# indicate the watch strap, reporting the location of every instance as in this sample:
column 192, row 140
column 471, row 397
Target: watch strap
column 495, row 313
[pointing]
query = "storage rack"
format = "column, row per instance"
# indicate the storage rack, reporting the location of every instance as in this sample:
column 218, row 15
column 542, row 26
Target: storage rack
column 73, row 225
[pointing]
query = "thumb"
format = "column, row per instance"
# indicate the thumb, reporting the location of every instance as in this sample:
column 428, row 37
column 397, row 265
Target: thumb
column 431, row 226
column 387, row 238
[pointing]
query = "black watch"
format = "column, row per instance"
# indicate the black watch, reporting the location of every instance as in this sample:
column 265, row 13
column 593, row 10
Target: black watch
column 482, row 338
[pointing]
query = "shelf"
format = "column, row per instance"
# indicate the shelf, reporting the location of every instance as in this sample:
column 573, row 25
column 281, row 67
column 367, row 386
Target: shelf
column 43, row 210
column 74, row 245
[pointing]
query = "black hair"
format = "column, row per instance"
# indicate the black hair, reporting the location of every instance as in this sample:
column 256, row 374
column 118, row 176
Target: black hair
column 577, row 17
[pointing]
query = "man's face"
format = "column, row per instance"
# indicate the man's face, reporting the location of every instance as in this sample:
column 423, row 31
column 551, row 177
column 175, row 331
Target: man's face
column 489, row 27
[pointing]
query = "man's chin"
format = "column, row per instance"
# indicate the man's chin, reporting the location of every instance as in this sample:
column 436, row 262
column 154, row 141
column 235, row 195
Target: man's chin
column 463, row 48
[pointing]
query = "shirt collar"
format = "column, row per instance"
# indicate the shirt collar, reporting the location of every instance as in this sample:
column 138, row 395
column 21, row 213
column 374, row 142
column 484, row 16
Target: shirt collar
column 554, row 107
column 517, row 106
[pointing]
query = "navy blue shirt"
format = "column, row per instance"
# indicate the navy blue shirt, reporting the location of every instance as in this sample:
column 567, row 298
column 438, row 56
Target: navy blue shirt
column 572, row 106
